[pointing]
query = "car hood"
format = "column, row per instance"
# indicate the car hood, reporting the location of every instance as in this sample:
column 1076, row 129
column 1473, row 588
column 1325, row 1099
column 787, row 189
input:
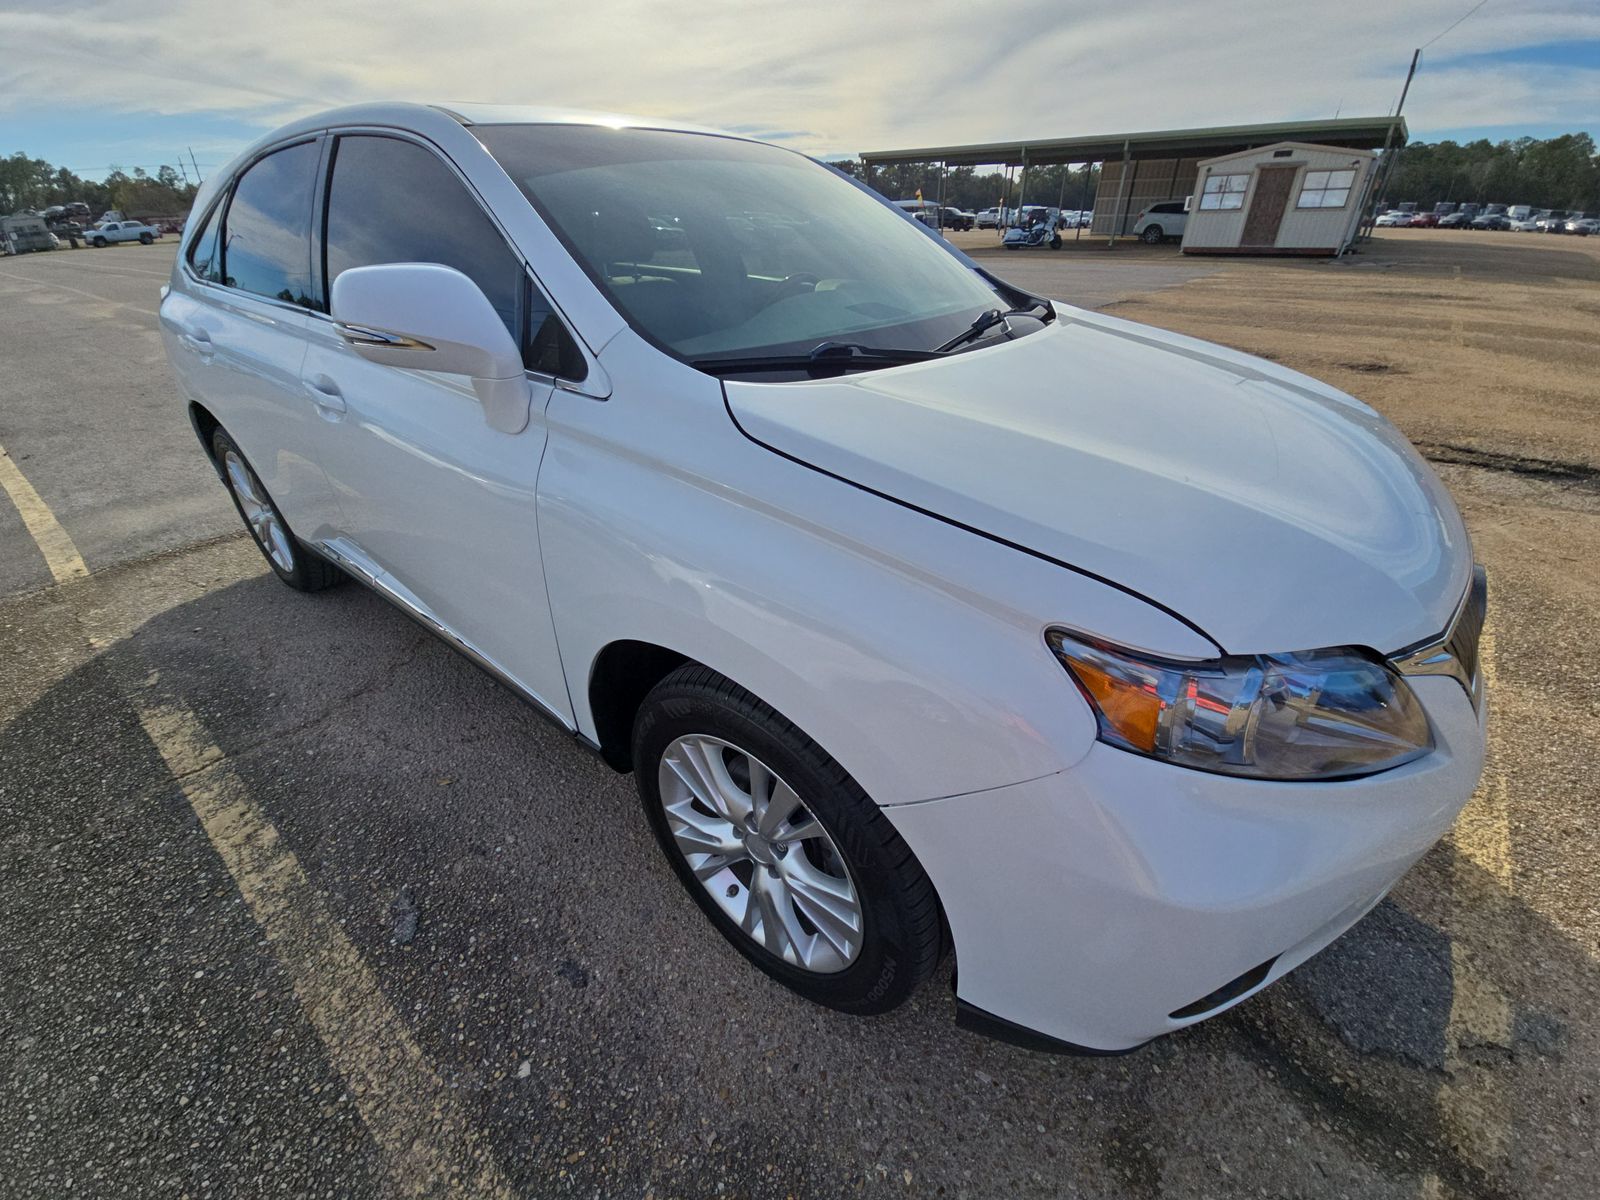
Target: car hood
column 1270, row 510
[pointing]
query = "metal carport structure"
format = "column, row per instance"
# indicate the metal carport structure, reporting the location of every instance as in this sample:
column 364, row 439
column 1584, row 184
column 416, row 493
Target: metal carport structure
column 1167, row 158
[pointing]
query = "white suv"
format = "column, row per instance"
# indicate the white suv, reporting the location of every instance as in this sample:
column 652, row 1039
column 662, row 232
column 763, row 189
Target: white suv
column 1159, row 222
column 926, row 612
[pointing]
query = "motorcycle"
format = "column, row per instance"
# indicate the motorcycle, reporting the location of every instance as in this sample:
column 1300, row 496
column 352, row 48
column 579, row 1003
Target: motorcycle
column 1040, row 234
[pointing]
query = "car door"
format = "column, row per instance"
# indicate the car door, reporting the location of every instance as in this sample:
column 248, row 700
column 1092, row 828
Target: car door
column 237, row 328
column 435, row 504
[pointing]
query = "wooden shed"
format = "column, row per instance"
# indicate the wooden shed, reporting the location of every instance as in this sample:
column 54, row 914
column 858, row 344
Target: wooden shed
column 1287, row 198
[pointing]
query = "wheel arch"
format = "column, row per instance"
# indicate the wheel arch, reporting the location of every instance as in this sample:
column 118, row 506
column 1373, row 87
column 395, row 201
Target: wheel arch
column 205, row 428
column 621, row 676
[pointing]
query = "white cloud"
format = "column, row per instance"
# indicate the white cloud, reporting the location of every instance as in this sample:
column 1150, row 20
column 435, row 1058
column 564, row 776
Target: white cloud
column 837, row 76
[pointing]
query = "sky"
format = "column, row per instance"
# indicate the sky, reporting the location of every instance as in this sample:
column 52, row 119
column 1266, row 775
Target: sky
column 90, row 85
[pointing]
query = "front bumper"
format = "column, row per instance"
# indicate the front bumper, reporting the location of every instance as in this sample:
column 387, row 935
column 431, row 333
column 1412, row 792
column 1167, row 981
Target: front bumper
column 1091, row 906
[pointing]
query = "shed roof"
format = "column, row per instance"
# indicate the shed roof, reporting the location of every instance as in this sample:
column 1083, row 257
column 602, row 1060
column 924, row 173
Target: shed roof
column 1314, row 146
column 1354, row 133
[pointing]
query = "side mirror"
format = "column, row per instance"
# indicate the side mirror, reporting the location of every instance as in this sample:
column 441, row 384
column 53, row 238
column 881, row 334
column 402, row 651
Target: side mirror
column 429, row 317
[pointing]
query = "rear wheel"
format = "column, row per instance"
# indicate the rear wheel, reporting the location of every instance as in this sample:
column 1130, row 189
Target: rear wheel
column 146, row 239
column 1152, row 235
column 285, row 554
column 780, row 847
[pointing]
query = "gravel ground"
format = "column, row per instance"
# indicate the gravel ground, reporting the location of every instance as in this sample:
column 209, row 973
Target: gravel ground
column 564, row 1000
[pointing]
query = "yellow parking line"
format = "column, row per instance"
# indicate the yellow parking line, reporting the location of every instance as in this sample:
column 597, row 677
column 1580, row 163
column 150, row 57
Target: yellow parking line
column 430, row 1145
column 429, row 1142
column 60, row 554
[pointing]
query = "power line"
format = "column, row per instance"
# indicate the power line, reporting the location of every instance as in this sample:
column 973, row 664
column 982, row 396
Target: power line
column 1453, row 24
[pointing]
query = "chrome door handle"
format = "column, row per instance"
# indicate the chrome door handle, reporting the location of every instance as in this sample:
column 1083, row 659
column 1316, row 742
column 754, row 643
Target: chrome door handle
column 325, row 394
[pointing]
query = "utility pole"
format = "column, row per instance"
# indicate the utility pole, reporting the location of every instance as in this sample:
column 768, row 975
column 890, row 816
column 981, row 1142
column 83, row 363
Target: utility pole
column 197, row 178
column 183, row 170
column 1387, row 160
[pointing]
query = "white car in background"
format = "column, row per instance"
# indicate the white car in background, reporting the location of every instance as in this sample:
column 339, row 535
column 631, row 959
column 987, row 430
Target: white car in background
column 1162, row 221
column 925, row 611
column 1525, row 225
column 1393, row 218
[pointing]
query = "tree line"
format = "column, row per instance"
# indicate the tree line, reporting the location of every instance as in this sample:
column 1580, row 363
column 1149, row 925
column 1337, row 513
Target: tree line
column 32, row 184
column 1560, row 172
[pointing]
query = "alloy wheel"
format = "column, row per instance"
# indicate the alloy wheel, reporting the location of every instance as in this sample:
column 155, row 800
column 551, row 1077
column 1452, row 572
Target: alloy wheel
column 760, row 853
column 259, row 514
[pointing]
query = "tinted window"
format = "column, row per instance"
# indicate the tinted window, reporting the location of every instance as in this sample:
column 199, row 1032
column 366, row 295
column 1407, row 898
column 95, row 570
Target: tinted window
column 266, row 245
column 394, row 201
column 203, row 250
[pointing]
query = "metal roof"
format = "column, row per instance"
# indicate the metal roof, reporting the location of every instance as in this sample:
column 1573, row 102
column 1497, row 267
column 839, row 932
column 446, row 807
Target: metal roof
column 1354, row 133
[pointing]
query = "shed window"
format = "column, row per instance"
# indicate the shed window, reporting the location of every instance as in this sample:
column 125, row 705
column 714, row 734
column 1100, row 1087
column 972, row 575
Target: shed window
column 1326, row 189
column 1224, row 191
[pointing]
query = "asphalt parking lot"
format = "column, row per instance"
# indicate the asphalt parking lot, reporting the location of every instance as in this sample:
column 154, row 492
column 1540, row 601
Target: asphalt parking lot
column 298, row 902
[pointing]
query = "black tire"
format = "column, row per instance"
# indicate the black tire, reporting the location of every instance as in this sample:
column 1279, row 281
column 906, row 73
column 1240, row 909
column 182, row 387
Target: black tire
column 901, row 926
column 1055, row 241
column 146, row 239
column 1152, row 235
column 100, row 243
column 307, row 571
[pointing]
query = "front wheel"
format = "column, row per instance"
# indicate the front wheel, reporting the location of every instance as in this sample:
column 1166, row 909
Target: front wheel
column 100, row 243
column 780, row 847
column 1152, row 235
column 285, row 554
column 1055, row 241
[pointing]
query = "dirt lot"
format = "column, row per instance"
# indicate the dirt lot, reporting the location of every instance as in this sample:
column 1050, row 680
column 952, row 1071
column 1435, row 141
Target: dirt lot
column 174, row 1024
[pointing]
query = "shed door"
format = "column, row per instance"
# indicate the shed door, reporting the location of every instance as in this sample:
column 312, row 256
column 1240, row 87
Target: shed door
column 1273, row 185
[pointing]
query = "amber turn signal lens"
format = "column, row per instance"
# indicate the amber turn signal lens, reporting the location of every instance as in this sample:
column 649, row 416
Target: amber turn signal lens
column 1132, row 709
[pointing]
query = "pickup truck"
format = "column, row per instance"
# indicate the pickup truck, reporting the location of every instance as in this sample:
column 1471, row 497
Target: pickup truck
column 107, row 232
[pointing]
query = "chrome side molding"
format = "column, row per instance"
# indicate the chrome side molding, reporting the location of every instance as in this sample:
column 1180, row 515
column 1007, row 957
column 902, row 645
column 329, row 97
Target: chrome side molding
column 365, row 335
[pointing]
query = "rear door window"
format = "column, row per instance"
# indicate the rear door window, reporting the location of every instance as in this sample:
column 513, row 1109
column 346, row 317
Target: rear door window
column 266, row 242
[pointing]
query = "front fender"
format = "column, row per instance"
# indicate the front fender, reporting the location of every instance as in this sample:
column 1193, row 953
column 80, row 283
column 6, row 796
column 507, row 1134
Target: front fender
column 910, row 649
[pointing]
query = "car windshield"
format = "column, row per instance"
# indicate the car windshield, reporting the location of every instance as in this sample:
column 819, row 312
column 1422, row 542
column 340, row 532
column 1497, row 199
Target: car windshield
column 713, row 247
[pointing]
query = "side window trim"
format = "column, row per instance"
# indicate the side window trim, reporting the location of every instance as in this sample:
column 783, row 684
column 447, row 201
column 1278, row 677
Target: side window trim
column 323, row 286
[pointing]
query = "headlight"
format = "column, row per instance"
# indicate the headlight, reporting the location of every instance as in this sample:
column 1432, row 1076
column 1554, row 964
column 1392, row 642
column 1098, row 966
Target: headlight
column 1321, row 714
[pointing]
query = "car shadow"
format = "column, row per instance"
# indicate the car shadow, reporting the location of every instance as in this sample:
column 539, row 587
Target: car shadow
column 503, row 885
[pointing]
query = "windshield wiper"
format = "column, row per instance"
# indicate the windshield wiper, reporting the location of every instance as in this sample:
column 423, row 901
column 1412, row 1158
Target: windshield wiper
column 827, row 356
column 988, row 320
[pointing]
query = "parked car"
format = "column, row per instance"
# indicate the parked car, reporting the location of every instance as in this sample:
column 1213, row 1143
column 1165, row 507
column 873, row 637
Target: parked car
column 1454, row 220
column 988, row 218
column 1423, row 220
column 1550, row 220
column 1520, row 212
column 1583, row 226
column 107, row 232
column 1490, row 221
column 957, row 218
column 1394, row 217
column 1162, row 221
column 824, row 555
column 1527, row 225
